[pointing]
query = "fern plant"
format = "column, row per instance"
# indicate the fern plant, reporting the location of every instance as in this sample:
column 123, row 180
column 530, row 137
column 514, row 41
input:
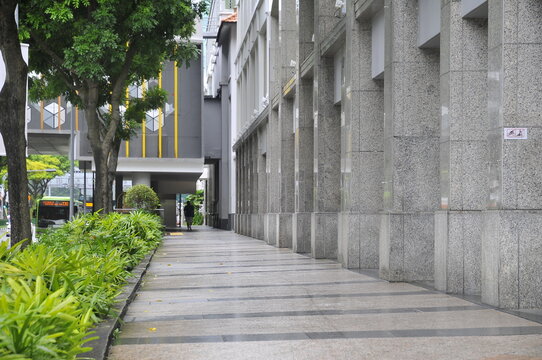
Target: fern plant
column 54, row 291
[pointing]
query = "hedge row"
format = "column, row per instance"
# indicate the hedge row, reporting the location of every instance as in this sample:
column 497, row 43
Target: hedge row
column 53, row 292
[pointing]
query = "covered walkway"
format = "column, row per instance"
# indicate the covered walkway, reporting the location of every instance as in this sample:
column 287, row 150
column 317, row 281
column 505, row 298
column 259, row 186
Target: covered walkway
column 214, row 294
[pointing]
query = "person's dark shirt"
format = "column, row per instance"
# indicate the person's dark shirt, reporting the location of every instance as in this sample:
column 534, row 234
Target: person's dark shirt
column 189, row 210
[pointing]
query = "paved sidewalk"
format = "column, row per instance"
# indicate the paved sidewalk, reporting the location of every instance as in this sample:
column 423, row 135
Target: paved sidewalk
column 213, row 294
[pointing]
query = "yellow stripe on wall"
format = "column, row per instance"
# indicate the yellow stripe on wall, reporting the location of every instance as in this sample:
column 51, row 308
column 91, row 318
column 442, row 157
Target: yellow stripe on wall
column 42, row 114
column 176, row 108
column 160, row 119
column 76, row 118
column 144, row 127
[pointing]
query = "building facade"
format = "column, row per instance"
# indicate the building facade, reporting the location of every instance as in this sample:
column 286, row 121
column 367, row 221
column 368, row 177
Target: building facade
column 397, row 135
column 220, row 106
column 167, row 151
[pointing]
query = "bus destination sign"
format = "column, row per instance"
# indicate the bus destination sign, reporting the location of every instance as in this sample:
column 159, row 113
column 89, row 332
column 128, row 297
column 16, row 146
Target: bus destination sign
column 55, row 203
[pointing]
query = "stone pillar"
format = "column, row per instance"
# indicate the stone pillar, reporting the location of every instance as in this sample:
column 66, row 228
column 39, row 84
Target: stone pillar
column 304, row 162
column 362, row 155
column 305, row 28
column 255, row 221
column 250, row 189
column 327, row 142
column 411, row 148
column 250, row 186
column 511, row 241
column 273, row 185
column 251, row 172
column 237, row 192
column 287, row 179
column 304, row 134
column 239, row 165
column 288, row 45
column 262, row 180
column 242, row 188
column 463, row 151
column 273, row 136
column 245, row 189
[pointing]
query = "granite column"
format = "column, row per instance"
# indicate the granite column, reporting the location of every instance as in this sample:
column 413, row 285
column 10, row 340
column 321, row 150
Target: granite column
column 262, row 180
column 362, row 153
column 273, row 176
column 288, row 45
column 304, row 133
column 237, row 190
column 463, row 151
column 327, row 142
column 511, row 241
column 411, row 148
column 254, row 217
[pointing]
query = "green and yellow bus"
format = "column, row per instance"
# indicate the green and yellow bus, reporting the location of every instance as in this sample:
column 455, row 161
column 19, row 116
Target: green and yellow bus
column 53, row 211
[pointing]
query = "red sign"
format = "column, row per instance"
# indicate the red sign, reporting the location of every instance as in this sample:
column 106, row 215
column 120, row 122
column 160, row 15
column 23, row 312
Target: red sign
column 55, row 203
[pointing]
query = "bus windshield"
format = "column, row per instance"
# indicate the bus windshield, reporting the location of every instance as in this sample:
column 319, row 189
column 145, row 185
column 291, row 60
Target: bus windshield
column 53, row 212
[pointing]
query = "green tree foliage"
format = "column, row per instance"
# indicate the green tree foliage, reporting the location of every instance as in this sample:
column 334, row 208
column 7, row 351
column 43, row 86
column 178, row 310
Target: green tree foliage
column 141, row 197
column 90, row 51
column 39, row 180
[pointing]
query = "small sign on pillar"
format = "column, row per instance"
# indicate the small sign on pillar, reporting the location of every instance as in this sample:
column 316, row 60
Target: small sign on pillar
column 515, row 133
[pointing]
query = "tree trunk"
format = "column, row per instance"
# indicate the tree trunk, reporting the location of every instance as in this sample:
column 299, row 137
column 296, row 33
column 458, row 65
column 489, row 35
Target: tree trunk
column 112, row 165
column 102, row 190
column 12, row 122
column 102, row 194
column 103, row 137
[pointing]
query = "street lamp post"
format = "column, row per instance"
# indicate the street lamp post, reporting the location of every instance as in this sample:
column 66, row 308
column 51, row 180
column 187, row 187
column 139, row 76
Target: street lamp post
column 72, row 134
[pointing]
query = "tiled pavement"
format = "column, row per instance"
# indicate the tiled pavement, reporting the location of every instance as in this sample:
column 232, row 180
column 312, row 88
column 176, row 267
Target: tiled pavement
column 213, row 294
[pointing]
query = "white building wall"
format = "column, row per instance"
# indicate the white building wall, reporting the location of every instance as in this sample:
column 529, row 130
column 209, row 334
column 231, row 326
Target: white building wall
column 252, row 59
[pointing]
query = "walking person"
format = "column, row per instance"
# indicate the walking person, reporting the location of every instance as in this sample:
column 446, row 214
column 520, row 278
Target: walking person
column 189, row 214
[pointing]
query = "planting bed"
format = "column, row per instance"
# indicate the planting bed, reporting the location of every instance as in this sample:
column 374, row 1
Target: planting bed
column 52, row 293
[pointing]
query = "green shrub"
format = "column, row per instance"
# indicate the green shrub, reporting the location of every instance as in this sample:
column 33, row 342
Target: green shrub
column 198, row 218
column 52, row 292
column 197, row 200
column 141, row 197
column 38, row 323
